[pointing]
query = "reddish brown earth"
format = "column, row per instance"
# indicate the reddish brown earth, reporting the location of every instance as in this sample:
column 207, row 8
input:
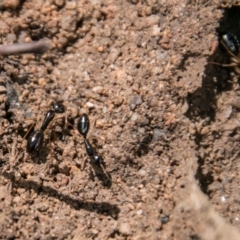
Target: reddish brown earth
column 164, row 119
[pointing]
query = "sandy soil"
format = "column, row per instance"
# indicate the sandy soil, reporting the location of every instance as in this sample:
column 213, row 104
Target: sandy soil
column 164, row 119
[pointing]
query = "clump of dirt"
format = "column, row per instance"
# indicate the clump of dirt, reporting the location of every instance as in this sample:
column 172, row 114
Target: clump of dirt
column 164, row 120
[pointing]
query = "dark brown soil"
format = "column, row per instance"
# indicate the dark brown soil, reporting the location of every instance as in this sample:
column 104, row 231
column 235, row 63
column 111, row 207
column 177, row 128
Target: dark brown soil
column 164, row 119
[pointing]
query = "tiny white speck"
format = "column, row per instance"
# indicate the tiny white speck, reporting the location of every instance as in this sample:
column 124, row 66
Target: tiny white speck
column 223, row 199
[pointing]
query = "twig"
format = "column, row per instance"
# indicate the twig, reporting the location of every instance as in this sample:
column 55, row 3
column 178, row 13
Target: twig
column 39, row 47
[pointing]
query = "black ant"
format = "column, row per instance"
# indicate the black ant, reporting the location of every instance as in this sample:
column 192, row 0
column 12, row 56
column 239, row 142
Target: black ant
column 35, row 140
column 83, row 126
column 96, row 162
column 231, row 43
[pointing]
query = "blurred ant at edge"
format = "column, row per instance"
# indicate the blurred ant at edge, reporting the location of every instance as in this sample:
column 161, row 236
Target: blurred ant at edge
column 231, row 44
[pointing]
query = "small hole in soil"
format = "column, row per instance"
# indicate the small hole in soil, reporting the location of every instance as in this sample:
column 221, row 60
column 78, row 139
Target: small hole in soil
column 138, row 66
column 179, row 79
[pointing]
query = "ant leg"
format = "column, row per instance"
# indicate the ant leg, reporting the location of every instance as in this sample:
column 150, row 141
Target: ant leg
column 15, row 177
column 65, row 124
column 14, row 155
column 109, row 177
column 234, row 58
column 230, row 53
column 224, row 65
column 237, row 69
column 28, row 131
column 9, row 187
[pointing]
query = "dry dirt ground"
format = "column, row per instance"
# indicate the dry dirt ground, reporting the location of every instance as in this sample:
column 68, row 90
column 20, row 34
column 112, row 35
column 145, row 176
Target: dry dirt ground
column 164, row 119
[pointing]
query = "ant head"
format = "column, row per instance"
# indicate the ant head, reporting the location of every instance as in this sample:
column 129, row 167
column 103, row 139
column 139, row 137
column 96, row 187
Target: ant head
column 231, row 41
column 59, row 107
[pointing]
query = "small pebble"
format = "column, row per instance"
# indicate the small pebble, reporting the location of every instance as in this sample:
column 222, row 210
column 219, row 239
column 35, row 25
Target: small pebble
column 59, row 3
column 94, row 231
column 125, row 229
column 3, row 89
column 139, row 212
column 73, row 110
column 98, row 89
column 135, row 101
column 42, row 82
column 158, row 134
column 100, row 49
column 9, row 4
column 25, row 94
column 142, row 172
column 17, row 199
column 223, row 199
column 100, row 123
column 164, row 219
column 71, row 5
column 134, row 117
column 155, row 30
column 90, row 105
column 215, row 186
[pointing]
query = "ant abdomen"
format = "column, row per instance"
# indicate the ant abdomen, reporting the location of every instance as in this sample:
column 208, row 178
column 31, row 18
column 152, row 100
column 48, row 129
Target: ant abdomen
column 35, row 141
column 83, row 125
